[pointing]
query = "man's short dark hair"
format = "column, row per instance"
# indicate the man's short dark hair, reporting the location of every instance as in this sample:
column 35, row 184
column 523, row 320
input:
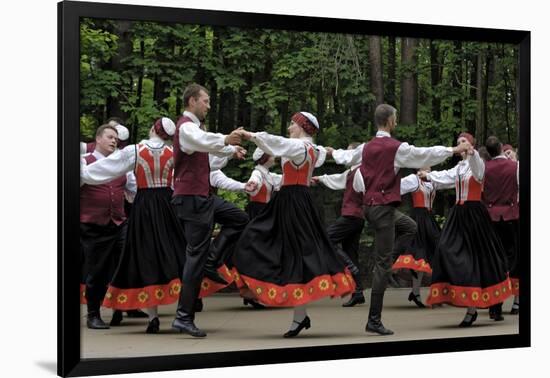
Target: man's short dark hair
column 192, row 90
column 101, row 129
column 493, row 145
column 382, row 113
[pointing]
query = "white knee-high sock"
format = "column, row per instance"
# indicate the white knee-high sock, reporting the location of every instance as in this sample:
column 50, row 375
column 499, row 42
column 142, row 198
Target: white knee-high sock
column 300, row 313
column 152, row 312
column 416, row 283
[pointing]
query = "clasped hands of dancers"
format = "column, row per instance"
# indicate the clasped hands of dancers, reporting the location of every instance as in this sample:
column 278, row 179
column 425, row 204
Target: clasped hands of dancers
column 280, row 253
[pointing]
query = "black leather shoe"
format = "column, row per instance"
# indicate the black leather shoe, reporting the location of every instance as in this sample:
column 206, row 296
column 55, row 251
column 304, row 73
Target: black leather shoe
column 95, row 322
column 198, row 305
column 306, row 323
column 213, row 275
column 116, row 319
column 356, row 298
column 136, row 314
column 187, row 326
column 154, row 326
column 416, row 300
column 514, row 310
column 496, row 314
column 468, row 323
column 253, row 303
column 378, row 328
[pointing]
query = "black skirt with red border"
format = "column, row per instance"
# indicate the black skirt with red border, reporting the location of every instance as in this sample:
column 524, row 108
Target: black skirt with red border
column 469, row 265
column 285, row 257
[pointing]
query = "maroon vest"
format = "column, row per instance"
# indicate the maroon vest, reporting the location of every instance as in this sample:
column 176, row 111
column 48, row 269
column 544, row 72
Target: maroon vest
column 100, row 204
column 352, row 204
column 500, row 189
column 191, row 172
column 377, row 168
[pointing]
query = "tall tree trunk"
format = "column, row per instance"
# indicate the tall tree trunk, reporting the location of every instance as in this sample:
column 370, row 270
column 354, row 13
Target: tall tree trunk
column 375, row 63
column 320, row 97
column 284, row 117
column 409, row 82
column 390, row 96
column 481, row 96
column 471, row 119
column 133, row 135
column 456, row 83
column 161, row 91
column 436, row 73
column 114, row 103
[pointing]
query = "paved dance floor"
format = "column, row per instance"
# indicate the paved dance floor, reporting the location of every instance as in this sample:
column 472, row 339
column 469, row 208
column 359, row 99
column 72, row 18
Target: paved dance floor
column 232, row 326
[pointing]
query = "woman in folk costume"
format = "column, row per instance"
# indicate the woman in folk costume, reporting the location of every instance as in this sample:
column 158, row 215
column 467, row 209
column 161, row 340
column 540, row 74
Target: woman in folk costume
column 420, row 253
column 469, row 266
column 262, row 184
column 149, row 271
column 284, row 255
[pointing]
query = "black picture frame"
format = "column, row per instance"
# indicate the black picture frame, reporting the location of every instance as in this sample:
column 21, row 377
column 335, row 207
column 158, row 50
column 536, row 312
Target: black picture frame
column 69, row 360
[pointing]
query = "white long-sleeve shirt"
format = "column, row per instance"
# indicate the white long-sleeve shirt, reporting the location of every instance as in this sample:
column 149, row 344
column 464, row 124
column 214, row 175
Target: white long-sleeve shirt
column 261, row 175
column 472, row 166
column 294, row 149
column 336, row 181
column 94, row 175
column 192, row 138
column 407, row 156
column 116, row 164
column 219, row 180
column 408, row 184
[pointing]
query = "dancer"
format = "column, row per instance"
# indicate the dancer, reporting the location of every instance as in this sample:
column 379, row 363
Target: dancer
column 152, row 258
column 420, row 253
column 262, row 184
column 378, row 177
column 501, row 196
column 102, row 227
column 469, row 266
column 195, row 207
column 284, row 255
column 345, row 232
column 123, row 136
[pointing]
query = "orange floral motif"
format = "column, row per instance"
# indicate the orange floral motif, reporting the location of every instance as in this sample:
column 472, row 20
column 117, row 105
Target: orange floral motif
column 259, row 290
column 159, row 294
column 272, row 293
column 122, row 298
column 475, row 295
column 176, row 288
column 407, row 260
column 143, row 296
column 345, row 281
column 109, row 295
column 310, row 290
column 205, row 285
column 298, row 293
column 323, row 285
column 435, row 292
column 453, row 293
column 485, row 297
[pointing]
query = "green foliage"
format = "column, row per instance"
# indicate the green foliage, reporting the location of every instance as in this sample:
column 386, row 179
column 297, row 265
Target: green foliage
column 261, row 77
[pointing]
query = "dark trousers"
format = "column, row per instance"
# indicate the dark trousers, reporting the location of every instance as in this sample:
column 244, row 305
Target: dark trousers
column 345, row 234
column 197, row 216
column 101, row 249
column 393, row 232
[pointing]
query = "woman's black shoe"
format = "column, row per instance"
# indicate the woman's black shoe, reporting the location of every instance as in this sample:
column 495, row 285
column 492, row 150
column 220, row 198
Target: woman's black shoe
column 467, row 323
column 515, row 309
column 116, row 319
column 416, row 300
column 253, row 303
column 154, row 326
column 306, row 323
column 356, row 298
